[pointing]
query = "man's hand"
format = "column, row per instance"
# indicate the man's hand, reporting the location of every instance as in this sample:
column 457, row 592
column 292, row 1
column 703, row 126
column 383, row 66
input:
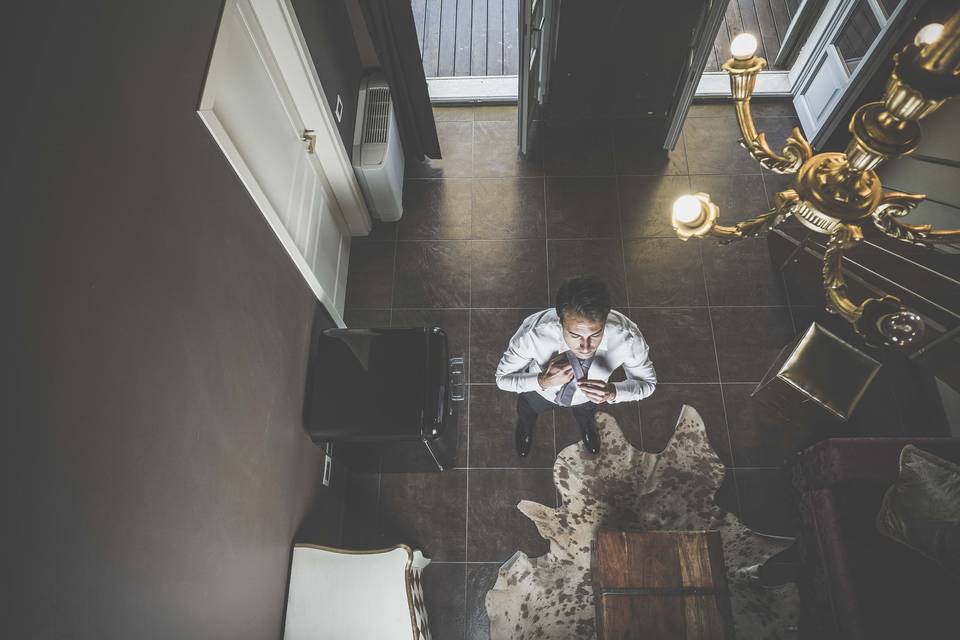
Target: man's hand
column 597, row 391
column 558, row 372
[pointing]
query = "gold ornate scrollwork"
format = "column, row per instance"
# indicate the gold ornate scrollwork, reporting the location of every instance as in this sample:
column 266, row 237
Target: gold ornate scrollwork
column 896, row 205
column 880, row 321
column 794, row 154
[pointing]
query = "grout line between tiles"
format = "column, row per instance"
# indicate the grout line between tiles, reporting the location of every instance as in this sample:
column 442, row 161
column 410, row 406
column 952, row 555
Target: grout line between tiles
column 723, row 402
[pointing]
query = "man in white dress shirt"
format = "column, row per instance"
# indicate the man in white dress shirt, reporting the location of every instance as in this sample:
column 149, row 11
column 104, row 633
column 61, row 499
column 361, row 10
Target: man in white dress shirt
column 564, row 357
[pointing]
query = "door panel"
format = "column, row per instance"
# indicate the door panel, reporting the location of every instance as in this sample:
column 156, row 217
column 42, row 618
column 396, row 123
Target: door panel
column 253, row 116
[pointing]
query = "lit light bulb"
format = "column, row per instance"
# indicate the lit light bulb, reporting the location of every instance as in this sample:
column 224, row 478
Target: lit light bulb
column 928, row 34
column 743, row 46
column 687, row 210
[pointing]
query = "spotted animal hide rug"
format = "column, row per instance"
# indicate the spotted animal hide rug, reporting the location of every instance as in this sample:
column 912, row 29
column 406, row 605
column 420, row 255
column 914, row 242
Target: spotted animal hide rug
column 551, row 597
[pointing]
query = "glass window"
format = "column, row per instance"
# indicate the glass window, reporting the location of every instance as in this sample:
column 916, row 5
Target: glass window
column 889, row 6
column 856, row 36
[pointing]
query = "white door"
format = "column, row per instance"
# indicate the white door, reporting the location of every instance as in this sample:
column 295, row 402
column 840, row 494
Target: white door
column 250, row 111
column 847, row 44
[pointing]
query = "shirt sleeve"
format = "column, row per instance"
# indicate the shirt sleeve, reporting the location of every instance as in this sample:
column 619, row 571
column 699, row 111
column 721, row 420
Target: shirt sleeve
column 641, row 376
column 512, row 374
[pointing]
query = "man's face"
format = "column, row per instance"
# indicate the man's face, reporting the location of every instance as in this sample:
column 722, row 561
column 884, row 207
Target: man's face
column 582, row 335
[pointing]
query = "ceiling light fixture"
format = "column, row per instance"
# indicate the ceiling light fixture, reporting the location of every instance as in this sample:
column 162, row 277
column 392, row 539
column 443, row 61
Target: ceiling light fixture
column 835, row 193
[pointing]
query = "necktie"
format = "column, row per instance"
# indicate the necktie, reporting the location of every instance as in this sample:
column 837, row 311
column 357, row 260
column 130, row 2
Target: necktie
column 580, row 368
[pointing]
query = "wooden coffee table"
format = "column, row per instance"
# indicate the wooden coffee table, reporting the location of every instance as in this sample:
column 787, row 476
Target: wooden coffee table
column 660, row 584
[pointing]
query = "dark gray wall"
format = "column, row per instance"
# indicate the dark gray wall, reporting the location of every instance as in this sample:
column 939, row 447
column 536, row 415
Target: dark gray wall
column 156, row 466
column 329, row 35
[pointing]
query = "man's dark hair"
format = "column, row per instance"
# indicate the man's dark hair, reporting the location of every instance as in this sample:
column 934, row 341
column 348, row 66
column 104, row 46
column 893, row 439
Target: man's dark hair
column 586, row 296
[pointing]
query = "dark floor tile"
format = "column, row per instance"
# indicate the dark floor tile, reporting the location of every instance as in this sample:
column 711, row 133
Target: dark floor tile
column 602, row 258
column 433, row 274
column 646, row 204
column 370, row 277
column 502, row 113
column 738, row 196
column 496, row 152
column 766, row 502
column 381, row 232
column 776, row 129
column 681, row 343
column 712, row 146
column 493, row 418
column 636, row 154
column 444, row 587
column 749, row 339
column 366, row 318
column 659, row 413
column 760, row 436
column 497, row 528
column 436, row 210
column 508, row 208
column 663, row 272
column 480, row 579
column 726, row 497
column 741, row 274
column 456, row 145
column 490, row 333
column 625, row 413
column 508, row 273
column 776, row 108
column 773, row 183
column 579, row 148
column 582, row 208
column 456, row 323
column 361, row 529
column 426, row 511
column 453, row 114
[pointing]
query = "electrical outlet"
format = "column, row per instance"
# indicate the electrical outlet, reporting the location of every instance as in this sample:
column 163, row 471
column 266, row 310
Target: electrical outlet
column 327, row 469
column 339, row 110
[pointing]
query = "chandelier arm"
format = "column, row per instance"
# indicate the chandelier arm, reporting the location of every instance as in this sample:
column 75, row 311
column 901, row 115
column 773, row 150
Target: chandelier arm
column 750, row 227
column 796, row 151
column 880, row 321
column 896, row 205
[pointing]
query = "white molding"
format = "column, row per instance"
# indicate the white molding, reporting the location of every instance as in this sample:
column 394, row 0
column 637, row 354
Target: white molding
column 280, row 27
column 453, row 89
column 770, row 84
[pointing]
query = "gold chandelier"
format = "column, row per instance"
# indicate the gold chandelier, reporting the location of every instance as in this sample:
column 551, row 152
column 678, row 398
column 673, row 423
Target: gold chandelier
column 835, row 193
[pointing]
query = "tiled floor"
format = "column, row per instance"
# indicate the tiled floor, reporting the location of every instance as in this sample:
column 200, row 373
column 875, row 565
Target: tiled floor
column 485, row 240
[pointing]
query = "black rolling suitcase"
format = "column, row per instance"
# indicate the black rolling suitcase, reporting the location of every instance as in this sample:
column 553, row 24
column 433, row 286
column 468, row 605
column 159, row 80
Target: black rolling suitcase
column 391, row 391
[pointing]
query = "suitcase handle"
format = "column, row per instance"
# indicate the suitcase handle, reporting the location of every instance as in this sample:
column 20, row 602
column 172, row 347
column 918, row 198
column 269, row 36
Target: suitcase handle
column 457, row 379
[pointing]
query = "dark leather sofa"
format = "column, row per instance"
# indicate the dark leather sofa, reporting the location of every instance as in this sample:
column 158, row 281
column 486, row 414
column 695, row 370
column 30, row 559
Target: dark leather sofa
column 855, row 583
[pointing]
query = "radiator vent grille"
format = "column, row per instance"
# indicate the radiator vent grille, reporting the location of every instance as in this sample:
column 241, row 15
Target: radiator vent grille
column 377, row 122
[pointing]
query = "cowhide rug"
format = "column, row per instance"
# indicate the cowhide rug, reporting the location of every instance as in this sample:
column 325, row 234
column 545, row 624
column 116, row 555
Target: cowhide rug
column 551, row 597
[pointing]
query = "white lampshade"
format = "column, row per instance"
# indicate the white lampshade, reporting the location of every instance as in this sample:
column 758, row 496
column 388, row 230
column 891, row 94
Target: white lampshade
column 743, row 46
column 928, row 34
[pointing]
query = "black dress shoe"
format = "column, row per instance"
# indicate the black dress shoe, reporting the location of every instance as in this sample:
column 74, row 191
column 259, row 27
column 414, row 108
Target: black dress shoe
column 524, row 438
column 591, row 439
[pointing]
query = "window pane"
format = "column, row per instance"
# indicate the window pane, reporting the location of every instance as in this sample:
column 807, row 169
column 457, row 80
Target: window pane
column 889, row 6
column 857, row 35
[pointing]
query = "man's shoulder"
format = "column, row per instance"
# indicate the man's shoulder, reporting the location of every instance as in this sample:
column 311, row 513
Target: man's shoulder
column 620, row 328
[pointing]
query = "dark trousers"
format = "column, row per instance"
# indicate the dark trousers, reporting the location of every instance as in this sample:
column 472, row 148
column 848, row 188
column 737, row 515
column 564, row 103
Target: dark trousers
column 531, row 404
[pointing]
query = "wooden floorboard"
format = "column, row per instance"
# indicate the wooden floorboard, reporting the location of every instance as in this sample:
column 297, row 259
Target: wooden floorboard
column 462, row 55
column 478, row 46
column 419, row 11
column 495, row 37
column 431, row 39
column 511, row 33
column 448, row 38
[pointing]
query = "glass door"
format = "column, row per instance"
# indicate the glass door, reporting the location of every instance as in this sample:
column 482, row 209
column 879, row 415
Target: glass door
column 851, row 39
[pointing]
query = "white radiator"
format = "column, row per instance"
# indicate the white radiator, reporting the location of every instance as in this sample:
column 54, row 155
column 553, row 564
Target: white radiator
column 377, row 153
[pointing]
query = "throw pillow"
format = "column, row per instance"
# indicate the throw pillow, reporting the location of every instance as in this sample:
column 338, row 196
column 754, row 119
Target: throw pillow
column 922, row 508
